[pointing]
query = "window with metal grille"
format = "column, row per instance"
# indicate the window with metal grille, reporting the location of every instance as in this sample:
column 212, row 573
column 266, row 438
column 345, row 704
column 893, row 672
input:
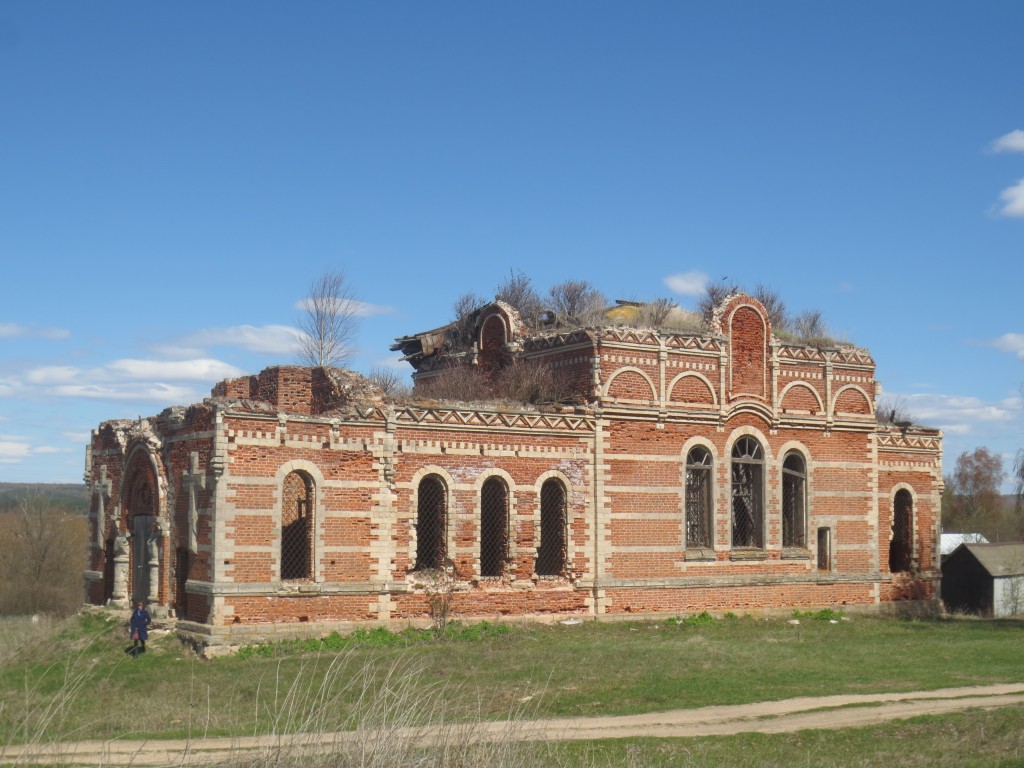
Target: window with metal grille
column 297, row 527
column 747, row 493
column 698, row 497
column 902, row 520
column 794, row 501
column 431, row 524
column 551, row 553
column 493, row 527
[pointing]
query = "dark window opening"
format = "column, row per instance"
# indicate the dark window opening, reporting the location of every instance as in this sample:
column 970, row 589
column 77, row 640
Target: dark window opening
column 747, row 492
column 794, row 501
column 698, row 498
column 297, row 527
column 551, row 554
column 431, row 524
column 902, row 516
column 493, row 527
column 824, row 549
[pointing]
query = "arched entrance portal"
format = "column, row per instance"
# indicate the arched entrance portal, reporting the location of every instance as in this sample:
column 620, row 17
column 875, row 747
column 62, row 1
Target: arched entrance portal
column 141, row 502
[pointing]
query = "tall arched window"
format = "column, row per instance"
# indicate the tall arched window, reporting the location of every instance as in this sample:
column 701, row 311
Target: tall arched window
column 794, row 501
column 493, row 527
column 698, row 498
column 551, row 553
column 900, row 548
column 297, row 527
column 747, row 494
column 431, row 523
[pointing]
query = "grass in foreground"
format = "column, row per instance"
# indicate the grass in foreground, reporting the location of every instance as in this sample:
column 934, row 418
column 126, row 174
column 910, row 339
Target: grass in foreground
column 78, row 684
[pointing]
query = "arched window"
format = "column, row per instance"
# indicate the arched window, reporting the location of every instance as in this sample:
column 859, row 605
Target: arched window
column 794, row 501
column 493, row 527
column 747, row 494
column 902, row 526
column 431, row 523
column 698, row 498
column 551, row 553
column 297, row 527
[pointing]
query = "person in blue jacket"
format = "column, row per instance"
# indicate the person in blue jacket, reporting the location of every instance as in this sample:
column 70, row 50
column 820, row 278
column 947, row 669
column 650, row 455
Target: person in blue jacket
column 139, row 626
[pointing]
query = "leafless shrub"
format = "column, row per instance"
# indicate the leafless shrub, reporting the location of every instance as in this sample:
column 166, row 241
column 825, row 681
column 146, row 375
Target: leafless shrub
column 809, row 325
column 460, row 335
column 576, row 303
column 893, row 412
column 653, row 314
column 773, row 304
column 714, row 294
column 41, row 558
column 439, row 588
column 517, row 290
column 389, row 381
column 528, row 381
column 330, row 322
column 467, row 384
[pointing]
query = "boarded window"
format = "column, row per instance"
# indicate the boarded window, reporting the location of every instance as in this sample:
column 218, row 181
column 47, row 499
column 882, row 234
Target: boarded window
column 698, row 498
column 902, row 517
column 431, row 523
column 297, row 527
column 493, row 527
column 747, row 494
column 551, row 553
column 794, row 501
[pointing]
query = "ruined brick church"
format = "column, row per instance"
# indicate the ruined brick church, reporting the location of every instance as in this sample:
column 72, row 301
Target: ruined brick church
column 725, row 469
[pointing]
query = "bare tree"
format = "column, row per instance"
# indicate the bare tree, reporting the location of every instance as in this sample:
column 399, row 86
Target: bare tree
column 576, row 302
column 330, row 322
column 41, row 557
column 459, row 337
column 774, row 305
column 714, row 294
column 976, row 500
column 517, row 290
column 810, row 325
column 891, row 411
column 655, row 313
column 389, row 381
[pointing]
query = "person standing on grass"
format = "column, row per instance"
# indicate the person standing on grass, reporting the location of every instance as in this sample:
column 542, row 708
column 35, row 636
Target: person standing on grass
column 139, row 626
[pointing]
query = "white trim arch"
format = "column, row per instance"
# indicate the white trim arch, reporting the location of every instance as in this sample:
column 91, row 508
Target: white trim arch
column 570, row 518
column 630, row 369
column 412, row 517
column 803, row 385
column 841, row 390
column 688, row 375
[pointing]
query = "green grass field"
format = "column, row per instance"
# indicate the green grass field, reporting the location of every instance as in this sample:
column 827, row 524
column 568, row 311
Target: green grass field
column 71, row 680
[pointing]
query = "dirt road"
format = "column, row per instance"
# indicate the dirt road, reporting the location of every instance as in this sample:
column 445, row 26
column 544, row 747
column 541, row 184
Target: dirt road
column 763, row 717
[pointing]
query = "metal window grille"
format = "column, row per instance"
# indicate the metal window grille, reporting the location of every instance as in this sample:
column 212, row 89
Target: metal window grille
column 900, row 548
column 493, row 527
column 794, row 498
column 431, row 524
column 297, row 528
column 747, row 490
column 551, row 554
column 698, row 498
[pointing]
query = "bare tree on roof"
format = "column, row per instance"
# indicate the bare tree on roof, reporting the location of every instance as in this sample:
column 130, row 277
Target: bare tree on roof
column 330, row 322
column 517, row 290
column 714, row 294
column 773, row 304
column 576, row 302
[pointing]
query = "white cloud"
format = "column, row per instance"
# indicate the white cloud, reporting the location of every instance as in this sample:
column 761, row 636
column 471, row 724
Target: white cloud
column 1013, row 201
column 268, row 339
column 1010, row 142
column 394, row 361
column 13, row 453
column 53, row 374
column 15, row 331
column 960, row 414
column 687, row 283
column 353, row 306
column 1011, row 342
column 204, row 369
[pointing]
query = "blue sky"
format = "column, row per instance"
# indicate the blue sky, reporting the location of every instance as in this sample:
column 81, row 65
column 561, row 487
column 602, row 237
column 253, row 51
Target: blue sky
column 173, row 176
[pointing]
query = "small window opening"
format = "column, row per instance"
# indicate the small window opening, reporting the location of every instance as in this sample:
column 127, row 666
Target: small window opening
column 493, row 527
column 824, row 549
column 551, row 553
column 900, row 546
column 431, row 524
column 698, row 498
